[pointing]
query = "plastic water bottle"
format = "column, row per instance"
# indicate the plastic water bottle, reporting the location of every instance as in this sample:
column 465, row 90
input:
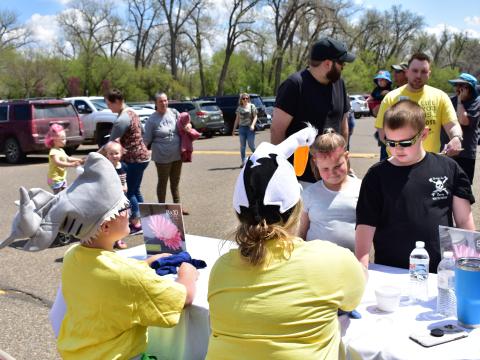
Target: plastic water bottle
column 446, row 299
column 418, row 270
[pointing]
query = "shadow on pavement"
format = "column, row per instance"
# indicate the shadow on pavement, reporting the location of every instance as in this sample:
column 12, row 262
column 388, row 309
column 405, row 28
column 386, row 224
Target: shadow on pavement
column 29, row 161
column 225, row 168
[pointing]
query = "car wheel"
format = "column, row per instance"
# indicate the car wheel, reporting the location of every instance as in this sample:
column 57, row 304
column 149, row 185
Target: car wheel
column 357, row 115
column 208, row 134
column 13, row 151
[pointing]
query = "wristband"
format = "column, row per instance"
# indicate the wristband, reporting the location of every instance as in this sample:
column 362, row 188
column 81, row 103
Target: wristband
column 460, row 137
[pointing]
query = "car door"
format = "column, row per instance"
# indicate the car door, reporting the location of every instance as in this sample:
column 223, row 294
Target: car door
column 86, row 114
column 3, row 124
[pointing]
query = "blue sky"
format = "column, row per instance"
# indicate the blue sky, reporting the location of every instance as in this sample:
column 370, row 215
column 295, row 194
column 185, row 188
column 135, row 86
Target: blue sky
column 457, row 15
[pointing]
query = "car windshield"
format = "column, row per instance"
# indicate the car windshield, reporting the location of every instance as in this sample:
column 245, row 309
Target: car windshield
column 256, row 101
column 209, row 107
column 53, row 111
column 270, row 102
column 99, row 104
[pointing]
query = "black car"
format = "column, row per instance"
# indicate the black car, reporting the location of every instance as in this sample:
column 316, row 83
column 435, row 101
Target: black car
column 229, row 103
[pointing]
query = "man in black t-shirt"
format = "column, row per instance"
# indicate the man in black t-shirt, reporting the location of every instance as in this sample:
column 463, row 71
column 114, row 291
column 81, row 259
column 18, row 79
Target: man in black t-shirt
column 405, row 198
column 316, row 95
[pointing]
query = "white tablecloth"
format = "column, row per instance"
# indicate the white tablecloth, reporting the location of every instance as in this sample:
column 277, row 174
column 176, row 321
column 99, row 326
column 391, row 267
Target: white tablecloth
column 380, row 335
column 377, row 335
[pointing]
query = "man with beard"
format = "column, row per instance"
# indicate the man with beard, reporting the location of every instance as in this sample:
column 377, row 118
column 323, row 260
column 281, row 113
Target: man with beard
column 316, row 95
column 438, row 108
column 400, row 74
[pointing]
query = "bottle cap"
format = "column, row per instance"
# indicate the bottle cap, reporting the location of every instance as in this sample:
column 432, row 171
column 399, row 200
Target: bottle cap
column 419, row 244
column 448, row 254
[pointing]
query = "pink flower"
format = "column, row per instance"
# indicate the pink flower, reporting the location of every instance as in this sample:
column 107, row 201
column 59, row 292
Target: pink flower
column 164, row 230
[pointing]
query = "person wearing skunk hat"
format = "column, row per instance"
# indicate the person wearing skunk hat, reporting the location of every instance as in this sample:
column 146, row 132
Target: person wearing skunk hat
column 110, row 300
column 277, row 296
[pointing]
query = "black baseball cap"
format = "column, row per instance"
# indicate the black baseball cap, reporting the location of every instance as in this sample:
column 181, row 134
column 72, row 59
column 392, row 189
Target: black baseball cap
column 330, row 49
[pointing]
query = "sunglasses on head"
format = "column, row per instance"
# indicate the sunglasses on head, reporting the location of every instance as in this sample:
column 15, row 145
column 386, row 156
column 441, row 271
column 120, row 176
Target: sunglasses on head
column 403, row 143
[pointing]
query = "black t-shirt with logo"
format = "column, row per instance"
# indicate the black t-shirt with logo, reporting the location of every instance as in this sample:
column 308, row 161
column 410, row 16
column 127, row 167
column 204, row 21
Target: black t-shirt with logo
column 407, row 204
column 307, row 100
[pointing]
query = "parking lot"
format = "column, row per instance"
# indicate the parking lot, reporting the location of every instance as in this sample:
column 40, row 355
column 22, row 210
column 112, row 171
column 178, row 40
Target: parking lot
column 29, row 281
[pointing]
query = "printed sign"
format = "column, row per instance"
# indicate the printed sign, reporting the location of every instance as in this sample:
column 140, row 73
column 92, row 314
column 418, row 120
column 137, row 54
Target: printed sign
column 163, row 229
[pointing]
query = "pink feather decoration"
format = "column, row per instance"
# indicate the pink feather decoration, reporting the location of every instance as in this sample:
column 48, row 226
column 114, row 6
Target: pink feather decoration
column 164, row 230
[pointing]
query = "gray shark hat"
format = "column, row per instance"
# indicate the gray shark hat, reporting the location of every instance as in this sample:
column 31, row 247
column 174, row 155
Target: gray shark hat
column 94, row 197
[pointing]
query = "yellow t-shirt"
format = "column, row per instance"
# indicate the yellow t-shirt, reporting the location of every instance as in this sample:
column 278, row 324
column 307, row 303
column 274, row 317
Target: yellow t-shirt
column 436, row 104
column 56, row 173
column 286, row 309
column 110, row 302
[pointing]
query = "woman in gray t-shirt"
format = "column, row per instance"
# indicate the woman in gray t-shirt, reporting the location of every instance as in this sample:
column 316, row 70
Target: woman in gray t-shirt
column 161, row 133
column 245, row 119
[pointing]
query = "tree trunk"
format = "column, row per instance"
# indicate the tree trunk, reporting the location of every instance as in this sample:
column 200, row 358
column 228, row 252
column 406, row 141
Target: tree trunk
column 278, row 72
column 173, row 58
column 223, row 74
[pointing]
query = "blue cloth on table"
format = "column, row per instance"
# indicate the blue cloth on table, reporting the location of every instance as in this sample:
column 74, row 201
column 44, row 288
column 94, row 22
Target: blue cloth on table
column 354, row 314
column 169, row 264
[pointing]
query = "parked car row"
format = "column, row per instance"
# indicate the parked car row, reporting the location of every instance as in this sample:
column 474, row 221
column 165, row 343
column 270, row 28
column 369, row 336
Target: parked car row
column 229, row 103
column 87, row 120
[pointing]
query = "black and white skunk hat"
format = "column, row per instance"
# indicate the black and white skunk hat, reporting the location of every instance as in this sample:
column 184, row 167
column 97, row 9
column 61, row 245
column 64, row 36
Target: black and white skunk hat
column 94, row 197
column 267, row 187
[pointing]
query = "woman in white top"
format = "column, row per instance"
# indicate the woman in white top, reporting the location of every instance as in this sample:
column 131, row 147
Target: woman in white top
column 329, row 204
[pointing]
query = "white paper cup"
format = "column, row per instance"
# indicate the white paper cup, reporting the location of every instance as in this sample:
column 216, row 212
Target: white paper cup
column 388, row 298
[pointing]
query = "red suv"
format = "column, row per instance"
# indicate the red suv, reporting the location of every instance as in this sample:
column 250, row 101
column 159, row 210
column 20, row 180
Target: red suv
column 24, row 124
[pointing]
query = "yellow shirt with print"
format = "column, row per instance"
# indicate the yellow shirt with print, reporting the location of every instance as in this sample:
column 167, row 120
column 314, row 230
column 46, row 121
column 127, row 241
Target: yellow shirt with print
column 110, row 300
column 286, row 309
column 56, row 173
column 436, row 104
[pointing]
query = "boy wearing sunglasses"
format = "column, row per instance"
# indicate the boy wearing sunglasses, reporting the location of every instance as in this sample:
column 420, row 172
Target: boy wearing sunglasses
column 405, row 198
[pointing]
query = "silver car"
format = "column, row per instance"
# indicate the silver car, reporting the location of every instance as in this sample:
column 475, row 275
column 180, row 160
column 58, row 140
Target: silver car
column 359, row 106
column 205, row 115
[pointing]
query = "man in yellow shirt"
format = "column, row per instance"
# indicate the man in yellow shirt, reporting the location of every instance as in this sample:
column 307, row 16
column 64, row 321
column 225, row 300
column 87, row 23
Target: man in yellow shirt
column 438, row 108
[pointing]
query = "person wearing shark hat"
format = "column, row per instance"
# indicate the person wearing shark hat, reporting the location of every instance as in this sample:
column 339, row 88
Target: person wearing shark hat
column 277, row 294
column 110, row 300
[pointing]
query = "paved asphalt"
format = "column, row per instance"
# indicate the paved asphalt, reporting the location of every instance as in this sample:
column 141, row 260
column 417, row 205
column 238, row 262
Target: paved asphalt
column 28, row 281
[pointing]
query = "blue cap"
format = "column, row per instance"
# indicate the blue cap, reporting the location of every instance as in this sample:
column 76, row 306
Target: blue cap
column 382, row 74
column 467, row 79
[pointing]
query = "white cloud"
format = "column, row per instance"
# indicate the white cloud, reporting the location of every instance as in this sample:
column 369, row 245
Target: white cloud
column 64, row 2
column 472, row 20
column 438, row 29
column 44, row 29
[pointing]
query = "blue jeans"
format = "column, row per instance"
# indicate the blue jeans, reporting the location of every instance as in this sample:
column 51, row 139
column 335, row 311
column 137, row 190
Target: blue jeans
column 246, row 135
column 134, row 180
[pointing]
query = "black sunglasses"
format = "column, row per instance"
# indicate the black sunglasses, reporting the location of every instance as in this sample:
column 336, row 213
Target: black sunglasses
column 245, row 98
column 403, row 143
